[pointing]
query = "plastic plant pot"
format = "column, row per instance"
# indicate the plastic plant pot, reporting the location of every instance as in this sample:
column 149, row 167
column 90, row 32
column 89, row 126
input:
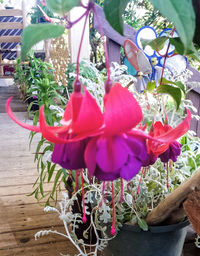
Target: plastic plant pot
column 157, row 241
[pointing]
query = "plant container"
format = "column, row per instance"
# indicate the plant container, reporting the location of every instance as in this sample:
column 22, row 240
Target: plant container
column 157, row 241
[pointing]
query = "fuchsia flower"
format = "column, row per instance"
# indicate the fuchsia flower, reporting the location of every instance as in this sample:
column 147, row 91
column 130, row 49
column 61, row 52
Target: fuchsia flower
column 108, row 143
column 114, row 153
column 171, row 149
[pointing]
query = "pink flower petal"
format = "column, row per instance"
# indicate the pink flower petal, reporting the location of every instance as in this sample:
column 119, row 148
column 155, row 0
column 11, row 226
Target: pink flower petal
column 13, row 117
column 68, row 112
column 48, row 132
column 122, row 111
column 89, row 117
column 76, row 99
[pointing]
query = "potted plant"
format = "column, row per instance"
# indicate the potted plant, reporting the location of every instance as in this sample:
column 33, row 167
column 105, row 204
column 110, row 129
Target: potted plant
column 128, row 144
column 33, row 78
column 36, row 13
column 139, row 196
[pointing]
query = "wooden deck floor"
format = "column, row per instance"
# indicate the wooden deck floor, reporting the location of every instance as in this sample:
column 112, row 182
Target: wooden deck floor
column 21, row 216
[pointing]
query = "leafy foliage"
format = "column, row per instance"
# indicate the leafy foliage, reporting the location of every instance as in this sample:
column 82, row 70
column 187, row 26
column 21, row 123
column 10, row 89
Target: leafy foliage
column 181, row 13
column 41, row 89
column 113, row 10
column 37, row 16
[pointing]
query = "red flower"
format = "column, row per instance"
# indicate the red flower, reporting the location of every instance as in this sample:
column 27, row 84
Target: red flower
column 166, row 135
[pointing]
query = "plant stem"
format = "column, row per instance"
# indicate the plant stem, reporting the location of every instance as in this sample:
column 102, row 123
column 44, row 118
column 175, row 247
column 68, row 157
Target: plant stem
column 81, row 42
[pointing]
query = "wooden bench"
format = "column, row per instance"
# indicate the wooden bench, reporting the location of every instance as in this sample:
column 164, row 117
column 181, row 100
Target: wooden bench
column 11, row 25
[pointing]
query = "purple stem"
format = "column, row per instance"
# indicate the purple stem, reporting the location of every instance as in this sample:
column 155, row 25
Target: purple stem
column 71, row 23
column 165, row 58
column 81, row 42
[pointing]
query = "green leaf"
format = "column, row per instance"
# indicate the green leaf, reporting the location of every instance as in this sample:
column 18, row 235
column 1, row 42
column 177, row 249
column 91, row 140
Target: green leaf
column 151, row 86
column 114, row 10
column 178, row 84
column 181, row 13
column 58, row 175
column 156, row 44
column 50, row 172
column 62, row 6
column 38, row 32
column 180, row 49
column 142, row 224
column 174, row 92
column 179, row 46
column 196, row 6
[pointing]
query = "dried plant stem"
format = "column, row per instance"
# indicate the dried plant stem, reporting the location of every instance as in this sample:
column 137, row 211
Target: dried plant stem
column 174, row 201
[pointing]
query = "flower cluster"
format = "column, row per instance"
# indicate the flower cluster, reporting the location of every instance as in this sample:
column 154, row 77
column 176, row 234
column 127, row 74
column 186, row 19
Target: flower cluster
column 108, row 144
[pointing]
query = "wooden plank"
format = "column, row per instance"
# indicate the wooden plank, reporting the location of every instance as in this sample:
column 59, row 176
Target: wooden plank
column 25, row 238
column 46, row 249
column 129, row 32
column 11, row 12
column 22, row 189
column 10, row 63
column 113, row 51
column 12, row 222
column 194, row 78
column 22, row 210
column 11, row 25
column 194, row 97
column 19, row 200
column 6, row 77
column 19, row 180
column 12, row 165
column 1, row 68
column 21, row 216
column 198, row 108
column 17, row 173
column 10, row 39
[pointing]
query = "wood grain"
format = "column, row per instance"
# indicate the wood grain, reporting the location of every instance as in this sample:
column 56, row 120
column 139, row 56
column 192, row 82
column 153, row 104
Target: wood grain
column 21, row 216
column 11, row 12
column 11, row 25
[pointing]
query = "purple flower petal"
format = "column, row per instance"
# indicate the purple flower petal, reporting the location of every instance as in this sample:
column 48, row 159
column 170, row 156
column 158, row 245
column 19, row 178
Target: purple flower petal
column 106, row 176
column 172, row 152
column 151, row 159
column 137, row 147
column 175, row 150
column 112, row 153
column 70, row 155
column 131, row 168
